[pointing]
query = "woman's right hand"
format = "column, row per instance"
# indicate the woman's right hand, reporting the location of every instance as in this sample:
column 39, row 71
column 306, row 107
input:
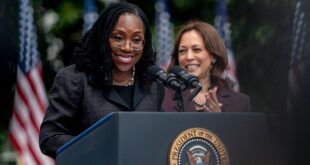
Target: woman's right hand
column 212, row 103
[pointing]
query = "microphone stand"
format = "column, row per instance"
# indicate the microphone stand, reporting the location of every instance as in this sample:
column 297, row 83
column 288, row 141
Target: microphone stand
column 195, row 92
column 178, row 96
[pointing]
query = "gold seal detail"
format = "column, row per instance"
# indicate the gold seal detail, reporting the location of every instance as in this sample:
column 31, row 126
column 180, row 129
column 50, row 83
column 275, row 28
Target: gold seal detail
column 198, row 146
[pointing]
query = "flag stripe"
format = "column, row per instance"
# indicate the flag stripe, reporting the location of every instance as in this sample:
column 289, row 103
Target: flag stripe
column 14, row 141
column 24, row 99
column 24, row 121
column 26, row 147
column 24, row 88
column 37, row 88
column 20, row 142
column 33, row 154
column 27, row 130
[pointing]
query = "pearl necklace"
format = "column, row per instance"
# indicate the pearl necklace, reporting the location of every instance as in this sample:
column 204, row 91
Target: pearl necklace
column 131, row 82
column 200, row 105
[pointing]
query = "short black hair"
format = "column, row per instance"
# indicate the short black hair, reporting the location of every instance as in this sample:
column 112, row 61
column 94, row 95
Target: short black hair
column 93, row 53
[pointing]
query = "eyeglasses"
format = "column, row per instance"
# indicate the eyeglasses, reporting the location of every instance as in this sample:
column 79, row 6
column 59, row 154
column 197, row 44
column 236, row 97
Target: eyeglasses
column 119, row 41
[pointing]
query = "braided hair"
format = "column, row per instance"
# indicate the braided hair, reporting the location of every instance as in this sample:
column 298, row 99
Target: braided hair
column 93, row 53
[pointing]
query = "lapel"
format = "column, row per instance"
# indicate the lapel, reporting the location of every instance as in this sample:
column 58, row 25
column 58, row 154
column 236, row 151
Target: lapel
column 114, row 97
column 223, row 96
column 139, row 92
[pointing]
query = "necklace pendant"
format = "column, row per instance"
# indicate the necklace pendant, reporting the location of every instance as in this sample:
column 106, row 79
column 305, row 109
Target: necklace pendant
column 200, row 105
column 131, row 82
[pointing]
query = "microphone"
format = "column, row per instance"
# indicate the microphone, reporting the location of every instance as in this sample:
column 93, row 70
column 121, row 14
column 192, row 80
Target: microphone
column 188, row 80
column 169, row 80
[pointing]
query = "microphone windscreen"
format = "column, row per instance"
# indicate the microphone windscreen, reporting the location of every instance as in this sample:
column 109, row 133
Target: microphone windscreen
column 153, row 70
column 176, row 69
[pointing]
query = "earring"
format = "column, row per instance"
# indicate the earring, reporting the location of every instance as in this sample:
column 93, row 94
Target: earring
column 213, row 60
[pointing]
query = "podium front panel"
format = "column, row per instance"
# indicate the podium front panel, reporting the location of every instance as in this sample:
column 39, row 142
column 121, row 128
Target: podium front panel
column 147, row 137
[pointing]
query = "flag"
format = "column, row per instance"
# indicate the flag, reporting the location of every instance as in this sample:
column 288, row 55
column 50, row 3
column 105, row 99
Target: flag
column 164, row 34
column 90, row 14
column 298, row 83
column 299, row 54
column 299, row 33
column 30, row 99
column 223, row 27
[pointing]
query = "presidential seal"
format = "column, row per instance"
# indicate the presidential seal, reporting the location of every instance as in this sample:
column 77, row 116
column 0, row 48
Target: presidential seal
column 198, row 146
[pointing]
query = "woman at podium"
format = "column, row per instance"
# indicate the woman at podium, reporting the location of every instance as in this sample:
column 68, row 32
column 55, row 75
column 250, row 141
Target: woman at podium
column 201, row 52
column 108, row 74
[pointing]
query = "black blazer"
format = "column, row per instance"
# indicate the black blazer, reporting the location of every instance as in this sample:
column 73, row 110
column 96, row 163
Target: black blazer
column 231, row 101
column 74, row 105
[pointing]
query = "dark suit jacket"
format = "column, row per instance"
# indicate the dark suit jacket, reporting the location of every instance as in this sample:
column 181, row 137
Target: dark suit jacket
column 231, row 101
column 74, row 105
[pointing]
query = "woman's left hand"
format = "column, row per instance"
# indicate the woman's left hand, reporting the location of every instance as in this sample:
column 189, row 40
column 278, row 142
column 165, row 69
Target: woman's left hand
column 212, row 103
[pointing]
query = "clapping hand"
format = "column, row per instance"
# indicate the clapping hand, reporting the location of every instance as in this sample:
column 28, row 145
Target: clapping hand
column 212, row 103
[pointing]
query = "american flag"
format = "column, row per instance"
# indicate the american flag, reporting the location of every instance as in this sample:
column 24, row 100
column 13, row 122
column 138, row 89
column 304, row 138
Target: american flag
column 30, row 97
column 299, row 32
column 90, row 14
column 298, row 83
column 223, row 27
column 164, row 34
column 299, row 52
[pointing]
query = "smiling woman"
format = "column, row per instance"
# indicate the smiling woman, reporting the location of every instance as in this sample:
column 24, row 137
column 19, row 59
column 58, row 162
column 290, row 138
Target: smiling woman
column 126, row 54
column 108, row 74
column 200, row 50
